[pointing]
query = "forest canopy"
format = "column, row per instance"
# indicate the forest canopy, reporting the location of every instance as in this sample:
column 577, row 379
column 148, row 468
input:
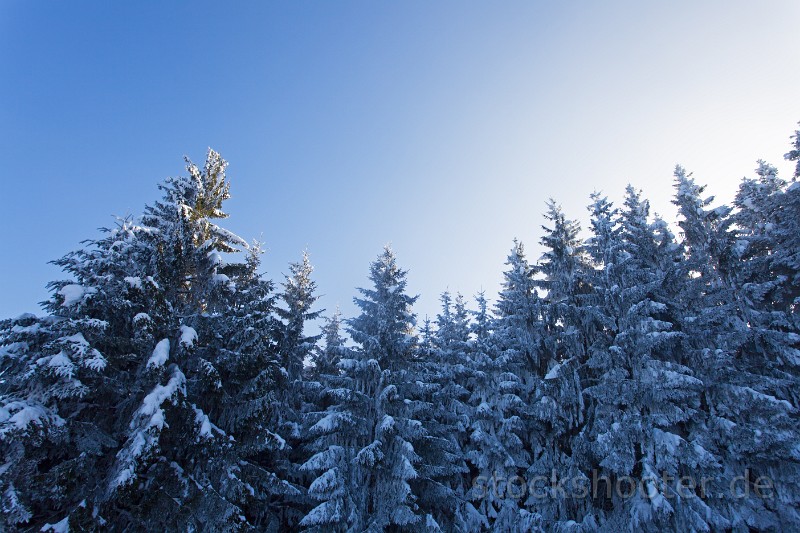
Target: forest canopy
column 633, row 378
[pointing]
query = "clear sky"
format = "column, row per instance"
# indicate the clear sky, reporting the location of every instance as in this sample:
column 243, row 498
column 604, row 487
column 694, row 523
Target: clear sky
column 441, row 127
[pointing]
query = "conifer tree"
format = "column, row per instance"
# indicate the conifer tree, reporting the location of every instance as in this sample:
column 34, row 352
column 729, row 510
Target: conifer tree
column 56, row 412
column 248, row 362
column 564, row 332
column 326, row 359
column 759, row 367
column 446, row 367
column 364, row 456
column 295, row 347
column 299, row 298
column 500, row 435
column 645, row 395
column 120, row 386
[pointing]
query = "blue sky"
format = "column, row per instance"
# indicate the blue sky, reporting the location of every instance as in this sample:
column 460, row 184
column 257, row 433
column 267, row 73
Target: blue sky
column 441, row 127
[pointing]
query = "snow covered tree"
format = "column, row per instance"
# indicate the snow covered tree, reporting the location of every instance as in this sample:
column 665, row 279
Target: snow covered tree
column 67, row 374
column 481, row 320
column 755, row 344
column 295, row 348
column 767, row 274
column 299, row 298
column 704, row 230
column 565, row 332
column 444, row 377
column 712, row 327
column 364, row 456
column 171, row 449
column 326, row 359
column 765, row 221
column 473, row 377
column 645, row 396
column 785, row 259
column 499, row 435
column 112, row 406
column 247, row 401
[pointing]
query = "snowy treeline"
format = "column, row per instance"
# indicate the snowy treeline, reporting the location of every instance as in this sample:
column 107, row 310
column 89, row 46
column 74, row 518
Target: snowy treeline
column 627, row 380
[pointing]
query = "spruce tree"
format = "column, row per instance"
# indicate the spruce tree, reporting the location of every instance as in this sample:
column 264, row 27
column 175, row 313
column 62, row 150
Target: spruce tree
column 364, row 457
column 326, row 359
column 295, row 348
column 645, row 396
column 121, row 386
column 760, row 369
column 445, row 372
column 500, row 433
column 565, row 330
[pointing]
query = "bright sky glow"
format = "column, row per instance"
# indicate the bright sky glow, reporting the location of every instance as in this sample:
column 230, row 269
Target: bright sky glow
column 441, row 127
